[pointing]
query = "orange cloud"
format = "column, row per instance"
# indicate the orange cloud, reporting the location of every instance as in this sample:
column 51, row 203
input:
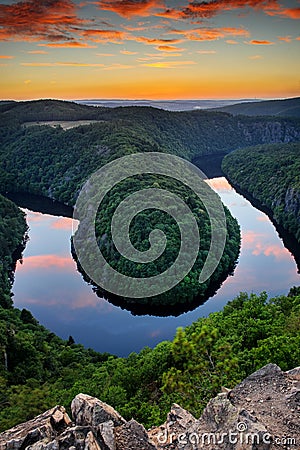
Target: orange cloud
column 127, row 52
column 168, row 64
column 219, row 184
column 290, row 13
column 47, row 262
column 285, row 38
column 118, row 66
column 62, row 224
column 72, row 44
column 6, row 57
column 254, row 57
column 34, row 20
column 99, row 35
column 58, row 64
column 210, row 34
column 131, row 28
column 36, row 217
column 256, row 242
column 280, row 253
column 37, row 52
column 206, row 52
column 263, row 42
column 155, row 41
column 168, row 48
column 206, row 9
column 129, row 8
column 263, row 218
column 155, row 333
column 158, row 56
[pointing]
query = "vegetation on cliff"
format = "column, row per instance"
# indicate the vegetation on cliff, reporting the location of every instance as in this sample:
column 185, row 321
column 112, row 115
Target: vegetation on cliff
column 37, row 368
column 189, row 289
column 271, row 174
column 12, row 238
column 55, row 163
column 43, row 370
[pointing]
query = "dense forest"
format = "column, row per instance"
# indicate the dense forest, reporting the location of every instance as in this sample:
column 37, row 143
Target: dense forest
column 13, row 229
column 271, row 174
column 126, row 130
column 37, row 368
column 189, row 289
column 55, row 163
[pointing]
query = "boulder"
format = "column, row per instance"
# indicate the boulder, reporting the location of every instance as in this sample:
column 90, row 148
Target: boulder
column 87, row 410
column 132, row 436
column 44, row 427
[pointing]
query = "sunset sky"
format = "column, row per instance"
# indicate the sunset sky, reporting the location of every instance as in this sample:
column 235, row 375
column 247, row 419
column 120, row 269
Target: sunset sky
column 154, row 49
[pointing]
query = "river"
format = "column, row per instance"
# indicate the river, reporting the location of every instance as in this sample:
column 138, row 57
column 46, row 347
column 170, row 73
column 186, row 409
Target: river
column 48, row 284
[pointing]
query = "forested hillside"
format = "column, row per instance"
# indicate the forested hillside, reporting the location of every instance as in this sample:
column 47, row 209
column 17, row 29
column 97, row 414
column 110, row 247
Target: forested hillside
column 189, row 289
column 12, row 240
column 271, row 174
column 54, row 162
column 289, row 107
column 39, row 370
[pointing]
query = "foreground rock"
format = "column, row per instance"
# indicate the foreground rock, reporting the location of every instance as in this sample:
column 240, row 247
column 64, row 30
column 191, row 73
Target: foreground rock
column 43, row 428
column 261, row 413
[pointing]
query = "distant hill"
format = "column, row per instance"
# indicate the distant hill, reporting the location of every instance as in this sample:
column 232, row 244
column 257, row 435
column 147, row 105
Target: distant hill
column 283, row 108
column 188, row 134
column 45, row 110
column 168, row 105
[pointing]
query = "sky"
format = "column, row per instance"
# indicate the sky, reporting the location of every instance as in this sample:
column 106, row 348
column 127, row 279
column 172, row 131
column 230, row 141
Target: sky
column 149, row 49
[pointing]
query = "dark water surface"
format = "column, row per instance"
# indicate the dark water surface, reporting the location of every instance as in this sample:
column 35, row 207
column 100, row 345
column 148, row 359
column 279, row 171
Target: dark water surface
column 48, row 284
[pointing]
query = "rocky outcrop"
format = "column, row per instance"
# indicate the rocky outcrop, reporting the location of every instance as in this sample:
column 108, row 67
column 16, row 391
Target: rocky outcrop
column 292, row 202
column 43, row 428
column 261, row 413
column 264, row 132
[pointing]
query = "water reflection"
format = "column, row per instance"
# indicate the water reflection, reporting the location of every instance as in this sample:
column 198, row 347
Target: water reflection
column 48, row 283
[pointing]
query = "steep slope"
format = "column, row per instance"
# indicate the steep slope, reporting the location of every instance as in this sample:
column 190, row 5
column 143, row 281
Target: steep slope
column 271, row 174
column 12, row 241
column 55, row 162
column 281, row 108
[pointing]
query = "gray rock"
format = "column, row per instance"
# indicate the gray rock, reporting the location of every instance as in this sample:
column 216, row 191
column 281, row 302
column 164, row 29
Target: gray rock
column 87, row 410
column 44, row 427
column 132, row 436
column 294, row 373
column 179, row 422
column 107, row 435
